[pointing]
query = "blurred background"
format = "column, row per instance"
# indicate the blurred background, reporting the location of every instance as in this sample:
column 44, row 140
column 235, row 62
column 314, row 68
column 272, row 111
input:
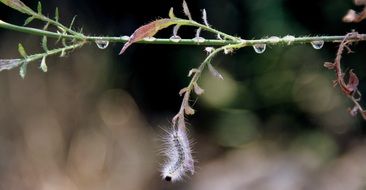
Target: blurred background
column 94, row 120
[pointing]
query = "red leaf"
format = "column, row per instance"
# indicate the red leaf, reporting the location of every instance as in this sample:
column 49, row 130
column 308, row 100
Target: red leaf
column 148, row 30
column 352, row 81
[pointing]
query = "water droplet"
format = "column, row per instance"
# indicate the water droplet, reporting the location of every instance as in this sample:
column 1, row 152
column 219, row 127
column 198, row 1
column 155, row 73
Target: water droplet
column 317, row 44
column 289, row 39
column 274, row 39
column 149, row 39
column 102, row 44
column 259, row 48
column 199, row 39
column 125, row 37
column 175, row 39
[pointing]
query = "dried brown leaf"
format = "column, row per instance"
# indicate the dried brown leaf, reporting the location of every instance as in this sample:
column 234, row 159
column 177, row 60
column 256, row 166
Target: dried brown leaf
column 7, row 64
column 352, row 16
column 352, row 81
column 204, row 17
column 188, row 110
column 197, row 89
column 329, row 65
column 214, row 72
column 192, row 71
column 18, row 5
column 182, row 91
column 186, row 10
column 353, row 112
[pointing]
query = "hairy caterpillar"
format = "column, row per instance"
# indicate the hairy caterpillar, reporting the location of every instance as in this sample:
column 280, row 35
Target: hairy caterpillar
column 179, row 155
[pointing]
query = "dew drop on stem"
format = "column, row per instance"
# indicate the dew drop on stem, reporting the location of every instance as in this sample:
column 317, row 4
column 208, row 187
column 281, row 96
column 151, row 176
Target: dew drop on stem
column 125, row 37
column 102, row 44
column 317, row 44
column 199, row 39
column 259, row 48
column 149, row 39
column 175, row 39
column 274, row 39
column 289, row 39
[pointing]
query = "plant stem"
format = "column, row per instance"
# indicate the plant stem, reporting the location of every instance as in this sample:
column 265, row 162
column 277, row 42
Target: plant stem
column 57, row 24
column 197, row 74
column 53, row 52
column 208, row 42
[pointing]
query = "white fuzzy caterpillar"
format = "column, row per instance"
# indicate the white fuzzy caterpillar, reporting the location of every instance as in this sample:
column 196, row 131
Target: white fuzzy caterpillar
column 179, row 155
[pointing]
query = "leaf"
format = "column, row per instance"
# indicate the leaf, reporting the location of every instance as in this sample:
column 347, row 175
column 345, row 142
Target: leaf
column 197, row 89
column 171, row 13
column 198, row 32
column 188, row 110
column 56, row 14
column 7, row 64
column 22, row 50
column 63, row 53
column 72, row 22
column 182, row 91
column 352, row 16
column 186, row 10
column 353, row 112
column 64, row 42
column 44, row 43
column 329, row 65
column 214, row 72
column 204, row 17
column 39, row 8
column 148, row 30
column 46, row 26
column 218, row 36
column 352, row 82
column 192, row 71
column 43, row 65
column 175, row 30
column 23, row 70
column 28, row 20
column 19, row 6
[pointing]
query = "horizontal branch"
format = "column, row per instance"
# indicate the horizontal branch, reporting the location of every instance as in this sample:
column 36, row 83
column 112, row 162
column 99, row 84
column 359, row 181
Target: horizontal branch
column 286, row 40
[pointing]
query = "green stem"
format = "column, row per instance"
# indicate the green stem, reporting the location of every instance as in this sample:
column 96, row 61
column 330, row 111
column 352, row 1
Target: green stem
column 53, row 52
column 38, row 32
column 207, row 28
column 209, row 42
column 57, row 24
column 195, row 78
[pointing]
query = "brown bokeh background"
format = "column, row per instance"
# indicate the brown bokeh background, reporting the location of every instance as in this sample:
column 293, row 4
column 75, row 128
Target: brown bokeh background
column 94, row 120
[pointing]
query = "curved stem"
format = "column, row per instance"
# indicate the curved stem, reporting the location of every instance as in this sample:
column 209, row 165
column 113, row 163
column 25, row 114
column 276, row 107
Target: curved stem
column 197, row 74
